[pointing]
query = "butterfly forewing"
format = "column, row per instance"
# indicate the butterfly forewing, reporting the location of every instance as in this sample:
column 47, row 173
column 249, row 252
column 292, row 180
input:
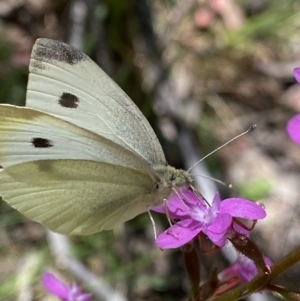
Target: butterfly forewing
column 68, row 84
column 29, row 135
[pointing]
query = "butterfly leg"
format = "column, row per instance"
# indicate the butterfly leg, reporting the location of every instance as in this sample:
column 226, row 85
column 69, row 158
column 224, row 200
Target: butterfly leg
column 152, row 222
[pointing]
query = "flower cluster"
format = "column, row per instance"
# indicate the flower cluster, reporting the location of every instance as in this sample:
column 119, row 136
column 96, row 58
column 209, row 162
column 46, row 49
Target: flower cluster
column 193, row 215
column 62, row 291
column 243, row 268
column 293, row 126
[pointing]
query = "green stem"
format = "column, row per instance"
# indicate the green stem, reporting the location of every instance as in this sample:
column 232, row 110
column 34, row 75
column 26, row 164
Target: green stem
column 244, row 290
column 285, row 263
column 192, row 267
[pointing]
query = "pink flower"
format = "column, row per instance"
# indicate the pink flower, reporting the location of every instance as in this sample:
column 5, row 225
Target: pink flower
column 293, row 128
column 243, row 268
column 59, row 289
column 194, row 215
column 296, row 73
column 293, row 125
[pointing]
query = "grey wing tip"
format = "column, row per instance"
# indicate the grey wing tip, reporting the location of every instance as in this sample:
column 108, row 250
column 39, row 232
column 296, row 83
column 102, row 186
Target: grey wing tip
column 52, row 50
column 50, row 43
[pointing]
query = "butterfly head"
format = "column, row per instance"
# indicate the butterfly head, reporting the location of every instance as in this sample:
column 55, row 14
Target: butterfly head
column 173, row 177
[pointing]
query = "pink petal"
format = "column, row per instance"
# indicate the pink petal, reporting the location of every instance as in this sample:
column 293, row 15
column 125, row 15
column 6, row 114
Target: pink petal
column 179, row 204
column 191, row 197
column 54, row 286
column 241, row 230
column 243, row 268
column 221, row 223
column 84, row 297
column 221, row 241
column 216, row 202
column 238, row 207
column 296, row 72
column 268, row 261
column 76, row 294
column 217, row 239
column 293, row 128
column 158, row 209
column 216, row 232
column 179, row 234
column 175, row 207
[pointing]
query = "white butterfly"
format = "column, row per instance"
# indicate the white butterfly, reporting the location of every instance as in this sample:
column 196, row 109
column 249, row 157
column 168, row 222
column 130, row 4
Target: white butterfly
column 80, row 157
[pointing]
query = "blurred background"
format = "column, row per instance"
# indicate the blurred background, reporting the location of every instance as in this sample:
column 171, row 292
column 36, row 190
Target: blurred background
column 201, row 71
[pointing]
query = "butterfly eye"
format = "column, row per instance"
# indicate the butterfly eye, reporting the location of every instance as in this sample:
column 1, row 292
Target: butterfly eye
column 41, row 143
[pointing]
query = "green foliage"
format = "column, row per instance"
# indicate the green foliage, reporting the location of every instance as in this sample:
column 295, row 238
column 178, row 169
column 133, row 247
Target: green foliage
column 255, row 189
column 12, row 80
column 13, row 87
column 265, row 26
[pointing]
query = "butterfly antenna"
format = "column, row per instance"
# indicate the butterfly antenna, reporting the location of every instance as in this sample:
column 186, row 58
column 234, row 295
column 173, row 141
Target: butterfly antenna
column 213, row 179
column 251, row 128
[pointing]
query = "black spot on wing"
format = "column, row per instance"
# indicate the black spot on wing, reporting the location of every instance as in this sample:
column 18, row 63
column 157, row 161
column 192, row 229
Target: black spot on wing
column 68, row 100
column 41, row 143
column 51, row 50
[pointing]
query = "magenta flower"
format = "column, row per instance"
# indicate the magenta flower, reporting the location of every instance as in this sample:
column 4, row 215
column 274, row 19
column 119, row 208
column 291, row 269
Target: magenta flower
column 243, row 268
column 293, row 125
column 59, row 289
column 296, row 73
column 194, row 215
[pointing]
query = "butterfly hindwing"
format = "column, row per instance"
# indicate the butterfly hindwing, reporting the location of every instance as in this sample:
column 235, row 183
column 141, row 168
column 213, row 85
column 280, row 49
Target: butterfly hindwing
column 69, row 179
column 76, row 196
